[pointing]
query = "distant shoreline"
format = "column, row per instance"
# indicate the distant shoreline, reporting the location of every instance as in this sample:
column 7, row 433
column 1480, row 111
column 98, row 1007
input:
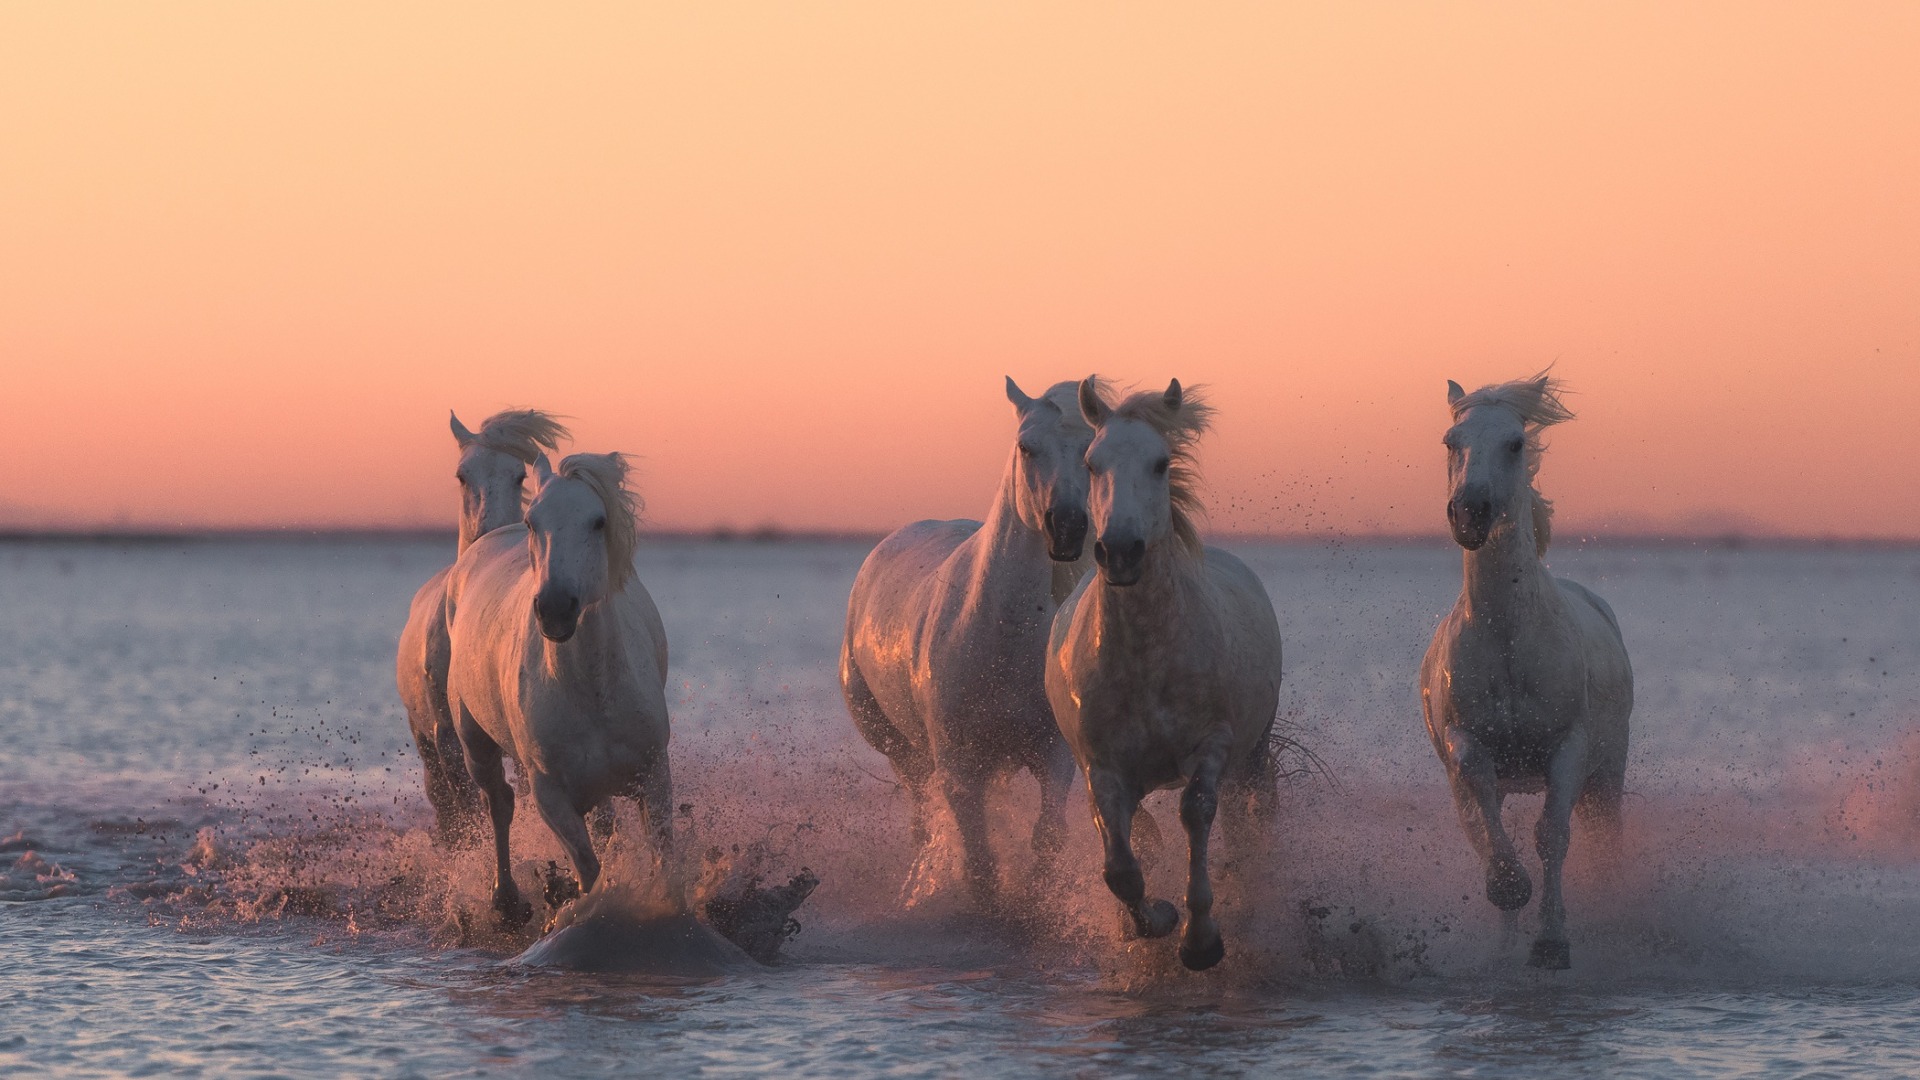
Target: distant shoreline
column 769, row 535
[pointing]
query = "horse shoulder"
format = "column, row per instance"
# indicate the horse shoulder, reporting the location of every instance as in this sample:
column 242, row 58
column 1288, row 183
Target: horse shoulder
column 645, row 630
column 1604, row 647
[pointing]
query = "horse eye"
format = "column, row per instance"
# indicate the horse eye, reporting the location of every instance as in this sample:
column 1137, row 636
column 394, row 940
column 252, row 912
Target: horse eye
column 1160, row 467
column 1025, row 450
column 1516, row 446
column 599, row 523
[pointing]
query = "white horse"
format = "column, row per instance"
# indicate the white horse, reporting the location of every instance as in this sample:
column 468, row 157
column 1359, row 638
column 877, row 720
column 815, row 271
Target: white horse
column 492, row 472
column 947, row 635
column 1164, row 667
column 560, row 661
column 1526, row 684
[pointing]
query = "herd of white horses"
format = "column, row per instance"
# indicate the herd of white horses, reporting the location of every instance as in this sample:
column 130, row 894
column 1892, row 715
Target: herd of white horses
column 1145, row 659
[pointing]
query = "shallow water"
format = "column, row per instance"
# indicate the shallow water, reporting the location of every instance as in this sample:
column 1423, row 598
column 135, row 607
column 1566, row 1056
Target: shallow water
column 212, row 856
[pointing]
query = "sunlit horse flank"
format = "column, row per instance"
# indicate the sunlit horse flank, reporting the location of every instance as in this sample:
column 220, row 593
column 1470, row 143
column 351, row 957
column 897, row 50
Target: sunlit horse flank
column 1164, row 667
column 560, row 661
column 946, row 638
column 492, row 472
column 1526, row 685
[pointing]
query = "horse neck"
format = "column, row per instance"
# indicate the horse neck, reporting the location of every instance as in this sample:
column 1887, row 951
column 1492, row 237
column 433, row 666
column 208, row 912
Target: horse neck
column 595, row 644
column 1505, row 575
column 1010, row 555
column 1151, row 609
column 474, row 529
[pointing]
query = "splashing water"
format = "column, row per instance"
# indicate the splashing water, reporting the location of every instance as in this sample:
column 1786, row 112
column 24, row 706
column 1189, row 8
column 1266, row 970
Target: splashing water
column 210, row 812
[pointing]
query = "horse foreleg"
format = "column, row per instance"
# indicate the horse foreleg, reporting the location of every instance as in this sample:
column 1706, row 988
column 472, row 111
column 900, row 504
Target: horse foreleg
column 483, row 764
column 966, row 792
column 1476, row 793
column 1114, row 803
column 1566, row 775
column 569, row 826
column 1202, row 947
column 656, row 799
column 1055, row 774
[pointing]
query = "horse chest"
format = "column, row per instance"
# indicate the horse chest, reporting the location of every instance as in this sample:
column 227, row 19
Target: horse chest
column 1518, row 701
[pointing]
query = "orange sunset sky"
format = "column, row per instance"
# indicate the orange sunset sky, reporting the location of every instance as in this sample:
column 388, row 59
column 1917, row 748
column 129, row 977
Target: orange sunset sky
column 250, row 254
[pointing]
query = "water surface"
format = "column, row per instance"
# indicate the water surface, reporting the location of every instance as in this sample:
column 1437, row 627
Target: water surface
column 212, row 856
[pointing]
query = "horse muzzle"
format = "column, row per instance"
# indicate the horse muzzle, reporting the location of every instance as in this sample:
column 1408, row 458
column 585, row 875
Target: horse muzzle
column 1120, row 561
column 1471, row 521
column 558, row 612
column 1066, row 534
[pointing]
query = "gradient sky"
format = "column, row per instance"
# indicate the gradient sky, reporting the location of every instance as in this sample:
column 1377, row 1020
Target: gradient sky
column 251, row 254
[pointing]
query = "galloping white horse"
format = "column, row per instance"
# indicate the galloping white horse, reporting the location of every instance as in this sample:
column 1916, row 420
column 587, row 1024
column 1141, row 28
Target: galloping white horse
column 560, row 660
column 1164, row 667
column 492, row 470
column 1526, row 684
column 947, row 635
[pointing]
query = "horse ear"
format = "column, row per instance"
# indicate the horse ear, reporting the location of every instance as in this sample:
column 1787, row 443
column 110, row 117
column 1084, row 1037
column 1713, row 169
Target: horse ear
column 1454, row 393
column 1021, row 401
column 1095, row 410
column 460, row 433
column 1172, row 396
column 542, row 469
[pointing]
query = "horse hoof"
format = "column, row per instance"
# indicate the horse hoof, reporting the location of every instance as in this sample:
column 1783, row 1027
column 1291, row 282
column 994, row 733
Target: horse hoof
column 513, row 911
column 1508, row 887
column 1158, row 919
column 1200, row 958
column 1550, row 955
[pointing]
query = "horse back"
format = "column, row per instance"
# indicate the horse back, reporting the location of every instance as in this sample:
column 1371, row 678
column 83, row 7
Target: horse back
column 893, row 600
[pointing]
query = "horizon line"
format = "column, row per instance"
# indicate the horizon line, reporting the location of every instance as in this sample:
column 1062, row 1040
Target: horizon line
column 780, row 534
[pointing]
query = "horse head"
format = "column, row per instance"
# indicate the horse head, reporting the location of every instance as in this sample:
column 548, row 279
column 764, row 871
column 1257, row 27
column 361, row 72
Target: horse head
column 1142, row 487
column 493, row 467
column 1493, row 454
column 580, row 535
column 1050, row 468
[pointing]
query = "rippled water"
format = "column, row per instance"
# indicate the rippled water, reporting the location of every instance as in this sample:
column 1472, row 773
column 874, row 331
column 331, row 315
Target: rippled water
column 212, row 856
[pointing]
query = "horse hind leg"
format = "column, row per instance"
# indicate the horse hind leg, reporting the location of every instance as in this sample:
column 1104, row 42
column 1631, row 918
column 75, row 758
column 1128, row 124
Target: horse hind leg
column 1114, row 803
column 449, row 790
column 911, row 764
column 1202, row 946
column 483, row 763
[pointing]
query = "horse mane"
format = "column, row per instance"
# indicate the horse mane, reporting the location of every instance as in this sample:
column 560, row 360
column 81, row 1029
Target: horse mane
column 1181, row 428
column 1536, row 401
column 606, row 476
column 521, row 433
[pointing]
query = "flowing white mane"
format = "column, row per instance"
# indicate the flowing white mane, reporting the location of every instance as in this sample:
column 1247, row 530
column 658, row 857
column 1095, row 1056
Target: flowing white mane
column 606, row 475
column 1537, row 402
column 522, row 433
column 1181, row 428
